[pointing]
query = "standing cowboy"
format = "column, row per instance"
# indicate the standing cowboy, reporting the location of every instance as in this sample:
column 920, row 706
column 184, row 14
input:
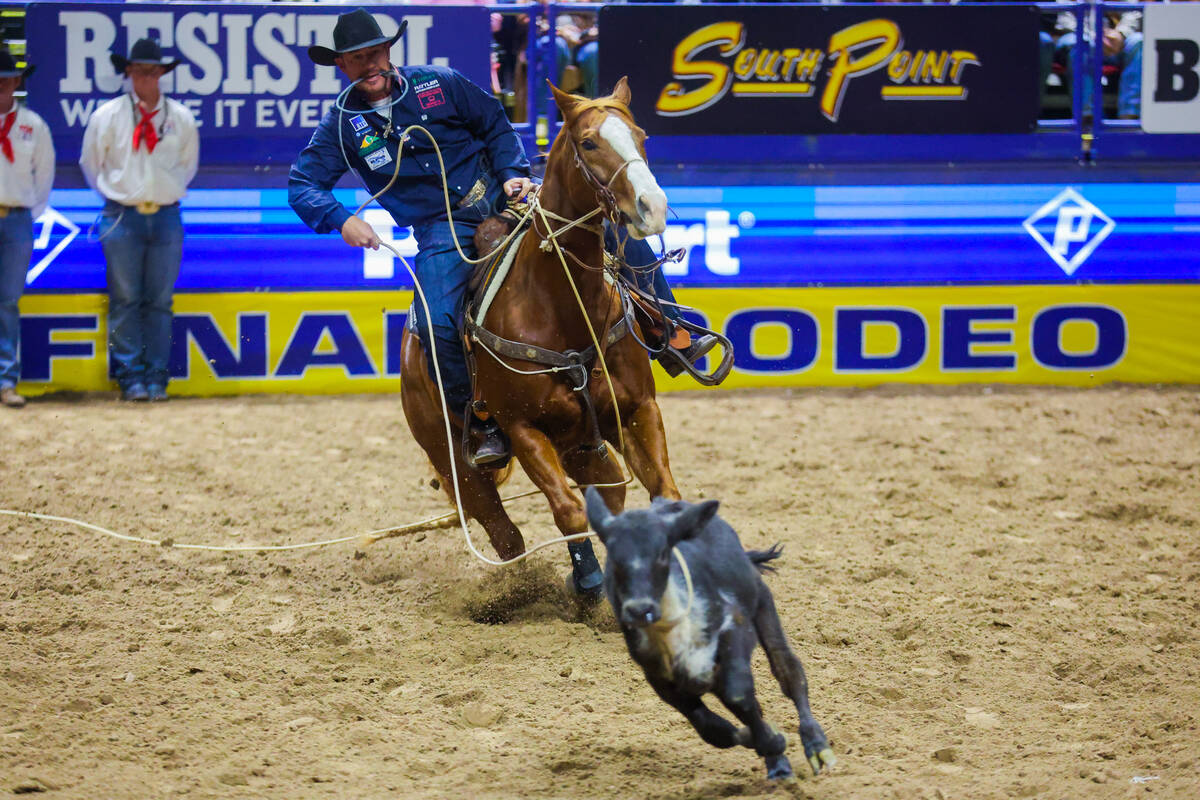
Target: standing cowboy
column 140, row 151
column 26, row 175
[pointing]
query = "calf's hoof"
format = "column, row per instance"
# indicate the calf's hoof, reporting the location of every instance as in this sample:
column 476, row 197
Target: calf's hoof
column 778, row 768
column 823, row 759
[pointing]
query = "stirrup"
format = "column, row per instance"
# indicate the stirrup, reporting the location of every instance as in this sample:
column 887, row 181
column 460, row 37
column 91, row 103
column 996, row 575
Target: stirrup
column 496, row 456
column 678, row 363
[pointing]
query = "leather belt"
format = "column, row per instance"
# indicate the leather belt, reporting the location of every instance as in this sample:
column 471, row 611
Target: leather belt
column 6, row 210
column 475, row 194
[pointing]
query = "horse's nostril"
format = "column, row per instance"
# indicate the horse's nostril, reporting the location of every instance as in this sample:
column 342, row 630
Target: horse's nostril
column 651, row 206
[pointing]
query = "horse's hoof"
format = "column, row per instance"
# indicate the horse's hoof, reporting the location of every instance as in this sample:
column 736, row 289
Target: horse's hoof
column 778, row 768
column 825, row 759
column 585, row 594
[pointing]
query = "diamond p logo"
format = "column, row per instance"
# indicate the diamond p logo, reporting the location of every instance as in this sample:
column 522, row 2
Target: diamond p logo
column 50, row 220
column 1069, row 228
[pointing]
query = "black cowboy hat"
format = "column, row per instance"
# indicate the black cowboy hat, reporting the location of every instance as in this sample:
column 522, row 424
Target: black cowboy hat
column 144, row 51
column 354, row 31
column 8, row 65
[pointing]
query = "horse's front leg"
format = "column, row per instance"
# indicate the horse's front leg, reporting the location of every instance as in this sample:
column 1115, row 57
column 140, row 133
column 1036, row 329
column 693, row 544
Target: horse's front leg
column 541, row 463
column 646, row 450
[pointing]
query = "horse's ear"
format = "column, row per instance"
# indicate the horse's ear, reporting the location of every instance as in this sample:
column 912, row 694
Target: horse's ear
column 620, row 92
column 597, row 511
column 566, row 102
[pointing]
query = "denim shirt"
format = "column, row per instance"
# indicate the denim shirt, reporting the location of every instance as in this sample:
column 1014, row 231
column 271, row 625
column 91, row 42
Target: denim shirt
column 470, row 128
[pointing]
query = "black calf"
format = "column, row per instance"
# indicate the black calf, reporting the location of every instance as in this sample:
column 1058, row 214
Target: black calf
column 692, row 606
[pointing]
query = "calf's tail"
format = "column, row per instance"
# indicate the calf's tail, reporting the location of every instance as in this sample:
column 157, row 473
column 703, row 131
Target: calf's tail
column 759, row 558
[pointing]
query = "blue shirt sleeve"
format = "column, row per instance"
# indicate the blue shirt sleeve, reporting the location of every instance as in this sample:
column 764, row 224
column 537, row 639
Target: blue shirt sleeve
column 311, row 180
column 486, row 119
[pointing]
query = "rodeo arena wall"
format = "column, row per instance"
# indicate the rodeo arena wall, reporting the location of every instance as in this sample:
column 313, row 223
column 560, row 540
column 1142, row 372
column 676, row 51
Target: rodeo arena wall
column 866, row 194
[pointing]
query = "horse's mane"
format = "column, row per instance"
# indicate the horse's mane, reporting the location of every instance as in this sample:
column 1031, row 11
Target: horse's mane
column 599, row 104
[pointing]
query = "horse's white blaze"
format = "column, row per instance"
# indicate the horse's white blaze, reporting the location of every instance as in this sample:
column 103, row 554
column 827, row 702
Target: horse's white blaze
column 650, row 215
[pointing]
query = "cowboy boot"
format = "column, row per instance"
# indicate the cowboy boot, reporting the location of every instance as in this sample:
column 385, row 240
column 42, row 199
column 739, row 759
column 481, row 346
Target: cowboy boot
column 488, row 444
column 685, row 348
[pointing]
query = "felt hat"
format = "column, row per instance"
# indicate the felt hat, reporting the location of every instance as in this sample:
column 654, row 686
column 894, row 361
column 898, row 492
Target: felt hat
column 144, row 51
column 354, row 31
column 8, row 65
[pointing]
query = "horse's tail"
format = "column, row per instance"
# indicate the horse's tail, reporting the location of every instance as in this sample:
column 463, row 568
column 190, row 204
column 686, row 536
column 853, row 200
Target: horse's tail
column 759, row 558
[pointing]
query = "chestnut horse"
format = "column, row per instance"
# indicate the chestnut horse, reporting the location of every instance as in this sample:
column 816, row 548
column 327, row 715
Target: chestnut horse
column 597, row 161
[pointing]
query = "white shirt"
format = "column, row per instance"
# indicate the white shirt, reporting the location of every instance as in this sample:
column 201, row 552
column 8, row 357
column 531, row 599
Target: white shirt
column 118, row 173
column 27, row 180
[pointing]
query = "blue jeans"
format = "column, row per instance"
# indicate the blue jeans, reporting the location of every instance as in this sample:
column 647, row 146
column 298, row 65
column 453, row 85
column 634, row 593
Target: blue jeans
column 444, row 277
column 1129, row 82
column 143, row 252
column 639, row 253
column 16, row 246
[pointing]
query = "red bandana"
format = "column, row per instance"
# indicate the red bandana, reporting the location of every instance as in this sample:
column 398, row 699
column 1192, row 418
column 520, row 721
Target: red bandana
column 144, row 131
column 5, row 143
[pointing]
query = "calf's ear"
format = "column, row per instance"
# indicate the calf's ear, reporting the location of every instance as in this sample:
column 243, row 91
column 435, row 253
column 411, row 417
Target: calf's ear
column 691, row 520
column 597, row 511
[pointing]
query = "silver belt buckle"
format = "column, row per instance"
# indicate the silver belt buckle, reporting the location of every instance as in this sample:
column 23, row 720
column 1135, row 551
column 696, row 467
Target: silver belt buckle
column 475, row 195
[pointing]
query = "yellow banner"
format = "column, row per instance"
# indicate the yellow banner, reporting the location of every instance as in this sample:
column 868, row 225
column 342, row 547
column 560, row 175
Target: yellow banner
column 343, row 342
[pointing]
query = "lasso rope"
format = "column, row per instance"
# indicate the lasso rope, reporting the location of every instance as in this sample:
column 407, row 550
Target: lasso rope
column 444, row 519
column 534, row 205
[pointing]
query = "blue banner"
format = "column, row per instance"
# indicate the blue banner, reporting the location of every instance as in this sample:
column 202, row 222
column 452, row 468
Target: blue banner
column 245, row 70
column 699, row 69
column 250, row 240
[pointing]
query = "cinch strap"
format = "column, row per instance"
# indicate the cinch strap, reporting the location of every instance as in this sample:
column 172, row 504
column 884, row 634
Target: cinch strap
column 144, row 131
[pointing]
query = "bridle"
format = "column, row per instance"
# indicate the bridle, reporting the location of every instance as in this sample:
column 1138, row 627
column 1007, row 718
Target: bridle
column 603, row 190
column 606, row 200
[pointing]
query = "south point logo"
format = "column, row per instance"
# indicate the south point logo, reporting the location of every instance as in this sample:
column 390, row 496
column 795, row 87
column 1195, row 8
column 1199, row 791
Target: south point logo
column 793, row 71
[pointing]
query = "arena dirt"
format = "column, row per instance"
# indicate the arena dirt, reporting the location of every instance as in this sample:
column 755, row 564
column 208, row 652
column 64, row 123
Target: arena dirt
column 995, row 592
